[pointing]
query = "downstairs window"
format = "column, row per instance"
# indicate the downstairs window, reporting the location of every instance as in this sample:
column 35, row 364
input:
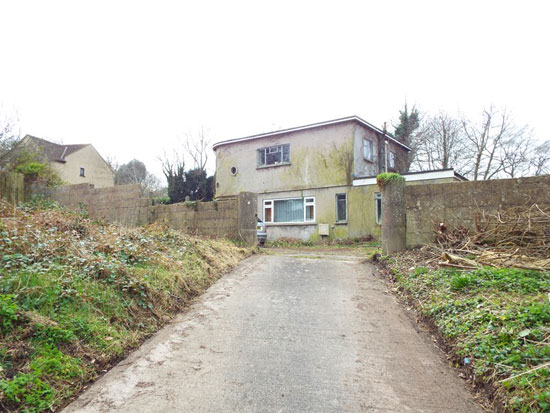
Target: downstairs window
column 289, row 210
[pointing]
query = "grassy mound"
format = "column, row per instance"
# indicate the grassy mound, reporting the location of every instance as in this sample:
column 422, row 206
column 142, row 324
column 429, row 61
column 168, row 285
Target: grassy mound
column 496, row 321
column 77, row 295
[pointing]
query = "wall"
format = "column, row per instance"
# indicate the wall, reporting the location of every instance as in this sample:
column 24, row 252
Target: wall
column 460, row 203
column 363, row 167
column 96, row 170
column 361, row 212
column 12, row 187
column 127, row 205
column 123, row 204
column 314, row 161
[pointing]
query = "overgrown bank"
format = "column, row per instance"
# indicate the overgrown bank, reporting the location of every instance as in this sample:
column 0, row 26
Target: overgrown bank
column 77, row 295
column 495, row 321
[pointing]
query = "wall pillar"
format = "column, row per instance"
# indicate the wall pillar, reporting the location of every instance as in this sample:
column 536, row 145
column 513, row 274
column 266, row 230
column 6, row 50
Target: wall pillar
column 247, row 206
column 394, row 218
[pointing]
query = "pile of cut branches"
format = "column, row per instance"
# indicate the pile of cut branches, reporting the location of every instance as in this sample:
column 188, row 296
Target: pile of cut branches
column 514, row 238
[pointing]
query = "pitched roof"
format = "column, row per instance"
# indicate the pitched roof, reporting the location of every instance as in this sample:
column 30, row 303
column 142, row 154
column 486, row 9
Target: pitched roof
column 54, row 151
column 312, row 126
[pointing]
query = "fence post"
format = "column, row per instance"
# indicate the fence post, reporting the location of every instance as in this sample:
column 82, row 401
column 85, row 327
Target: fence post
column 394, row 219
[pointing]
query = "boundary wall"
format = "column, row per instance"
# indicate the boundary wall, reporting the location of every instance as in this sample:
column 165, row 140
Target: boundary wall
column 463, row 203
column 128, row 205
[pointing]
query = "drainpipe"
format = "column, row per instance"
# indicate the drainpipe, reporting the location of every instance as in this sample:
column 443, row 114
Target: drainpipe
column 385, row 149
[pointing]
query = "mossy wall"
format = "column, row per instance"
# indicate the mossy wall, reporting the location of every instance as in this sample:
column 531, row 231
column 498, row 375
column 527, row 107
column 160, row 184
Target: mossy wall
column 318, row 158
column 361, row 213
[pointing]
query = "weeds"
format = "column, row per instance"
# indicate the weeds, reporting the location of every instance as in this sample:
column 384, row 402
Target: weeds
column 496, row 318
column 77, row 295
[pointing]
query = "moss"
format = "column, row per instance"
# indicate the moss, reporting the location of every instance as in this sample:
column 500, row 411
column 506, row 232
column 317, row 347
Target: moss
column 385, row 178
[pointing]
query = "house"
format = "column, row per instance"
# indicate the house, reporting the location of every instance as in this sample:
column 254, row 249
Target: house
column 75, row 164
column 313, row 181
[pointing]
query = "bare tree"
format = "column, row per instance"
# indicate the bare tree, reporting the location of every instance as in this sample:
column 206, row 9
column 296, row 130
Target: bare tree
column 10, row 135
column 440, row 144
column 540, row 159
column 198, row 148
column 498, row 146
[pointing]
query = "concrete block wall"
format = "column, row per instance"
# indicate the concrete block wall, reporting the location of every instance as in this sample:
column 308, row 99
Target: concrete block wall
column 218, row 218
column 128, row 206
column 122, row 204
column 463, row 203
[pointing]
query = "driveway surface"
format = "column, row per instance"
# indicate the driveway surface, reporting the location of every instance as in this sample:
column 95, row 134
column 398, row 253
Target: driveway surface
column 286, row 333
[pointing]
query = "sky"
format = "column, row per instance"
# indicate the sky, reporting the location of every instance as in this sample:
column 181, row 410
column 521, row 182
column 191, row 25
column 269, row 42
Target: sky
column 135, row 78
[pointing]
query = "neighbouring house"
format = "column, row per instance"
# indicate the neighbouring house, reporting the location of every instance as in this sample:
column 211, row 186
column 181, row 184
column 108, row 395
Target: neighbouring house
column 75, row 164
column 316, row 180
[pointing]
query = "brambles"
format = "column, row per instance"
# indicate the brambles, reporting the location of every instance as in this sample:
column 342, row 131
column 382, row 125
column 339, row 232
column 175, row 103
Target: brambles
column 497, row 318
column 76, row 295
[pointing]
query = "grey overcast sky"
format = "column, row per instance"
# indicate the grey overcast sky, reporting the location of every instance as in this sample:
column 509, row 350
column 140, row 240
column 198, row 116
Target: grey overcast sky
column 133, row 77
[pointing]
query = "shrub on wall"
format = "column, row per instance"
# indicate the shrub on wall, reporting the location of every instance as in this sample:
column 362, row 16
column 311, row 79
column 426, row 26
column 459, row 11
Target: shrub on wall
column 385, row 178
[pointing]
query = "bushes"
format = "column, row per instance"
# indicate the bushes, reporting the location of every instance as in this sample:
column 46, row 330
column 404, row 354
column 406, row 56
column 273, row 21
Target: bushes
column 499, row 319
column 76, row 295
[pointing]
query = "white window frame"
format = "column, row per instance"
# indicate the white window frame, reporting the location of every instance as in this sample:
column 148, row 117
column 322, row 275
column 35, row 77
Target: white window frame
column 370, row 144
column 307, row 201
column 262, row 153
column 378, row 198
column 346, row 209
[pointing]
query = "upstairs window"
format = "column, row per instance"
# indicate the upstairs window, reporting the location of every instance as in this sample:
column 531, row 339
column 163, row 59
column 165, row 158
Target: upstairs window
column 82, row 172
column 368, row 150
column 273, row 155
column 391, row 160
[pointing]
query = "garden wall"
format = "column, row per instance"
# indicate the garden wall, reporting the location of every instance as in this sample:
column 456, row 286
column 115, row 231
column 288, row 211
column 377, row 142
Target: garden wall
column 12, row 187
column 129, row 206
column 462, row 203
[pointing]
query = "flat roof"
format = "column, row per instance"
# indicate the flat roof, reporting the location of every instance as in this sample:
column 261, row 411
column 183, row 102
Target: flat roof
column 413, row 176
column 312, row 126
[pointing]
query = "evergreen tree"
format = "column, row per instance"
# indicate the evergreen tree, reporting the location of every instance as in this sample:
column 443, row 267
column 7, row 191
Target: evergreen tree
column 405, row 131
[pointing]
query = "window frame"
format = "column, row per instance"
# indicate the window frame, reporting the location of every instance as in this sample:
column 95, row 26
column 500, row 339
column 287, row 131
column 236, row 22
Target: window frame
column 307, row 201
column 392, row 157
column 338, row 220
column 83, row 172
column 378, row 211
column 261, row 155
column 371, row 148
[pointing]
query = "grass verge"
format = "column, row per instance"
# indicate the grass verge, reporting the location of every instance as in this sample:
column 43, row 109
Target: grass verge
column 495, row 321
column 76, row 296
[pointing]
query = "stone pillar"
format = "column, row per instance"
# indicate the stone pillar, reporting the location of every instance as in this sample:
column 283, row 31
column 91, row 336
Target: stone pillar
column 247, row 207
column 394, row 219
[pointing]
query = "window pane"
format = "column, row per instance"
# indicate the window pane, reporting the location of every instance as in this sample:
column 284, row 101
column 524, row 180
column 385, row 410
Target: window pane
column 261, row 157
column 286, row 153
column 309, row 213
column 267, row 213
column 378, row 208
column 289, row 210
column 367, row 149
column 341, row 207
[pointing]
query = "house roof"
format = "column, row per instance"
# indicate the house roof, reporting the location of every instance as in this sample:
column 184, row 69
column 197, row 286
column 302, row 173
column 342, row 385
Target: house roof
column 54, row 151
column 312, row 126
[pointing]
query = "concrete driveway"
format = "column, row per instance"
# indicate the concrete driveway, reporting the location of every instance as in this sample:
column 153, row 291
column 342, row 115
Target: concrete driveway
column 286, row 333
